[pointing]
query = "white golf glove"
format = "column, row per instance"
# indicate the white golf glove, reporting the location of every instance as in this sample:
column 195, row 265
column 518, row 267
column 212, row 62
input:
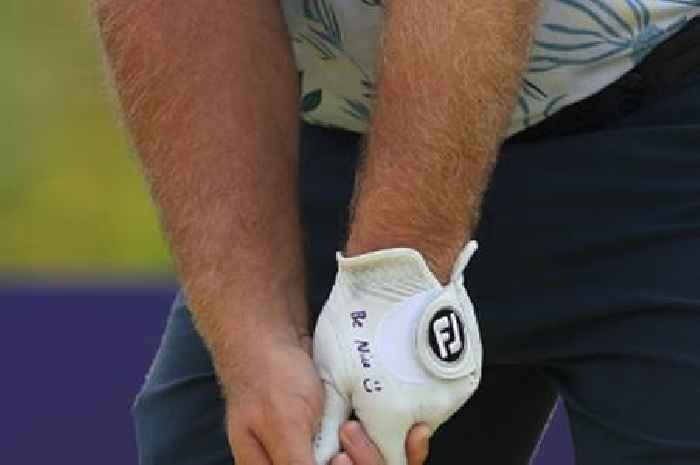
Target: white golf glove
column 396, row 346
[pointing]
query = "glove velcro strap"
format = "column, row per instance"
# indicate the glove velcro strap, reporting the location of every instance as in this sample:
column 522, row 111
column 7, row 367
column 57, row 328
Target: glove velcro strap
column 443, row 339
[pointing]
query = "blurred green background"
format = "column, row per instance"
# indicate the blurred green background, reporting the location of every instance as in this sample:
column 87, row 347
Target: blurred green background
column 72, row 201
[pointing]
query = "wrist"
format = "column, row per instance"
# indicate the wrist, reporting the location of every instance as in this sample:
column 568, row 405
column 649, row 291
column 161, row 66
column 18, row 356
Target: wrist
column 266, row 319
column 239, row 329
column 242, row 359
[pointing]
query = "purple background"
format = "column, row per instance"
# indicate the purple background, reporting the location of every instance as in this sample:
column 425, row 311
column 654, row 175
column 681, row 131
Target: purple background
column 71, row 361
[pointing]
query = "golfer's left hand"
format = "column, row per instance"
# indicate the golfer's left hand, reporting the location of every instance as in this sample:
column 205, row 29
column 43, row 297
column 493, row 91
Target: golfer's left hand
column 360, row 450
column 396, row 347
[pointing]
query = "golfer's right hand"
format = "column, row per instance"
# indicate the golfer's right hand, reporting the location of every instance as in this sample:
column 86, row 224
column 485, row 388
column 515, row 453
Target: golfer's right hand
column 273, row 402
column 274, row 409
column 358, row 448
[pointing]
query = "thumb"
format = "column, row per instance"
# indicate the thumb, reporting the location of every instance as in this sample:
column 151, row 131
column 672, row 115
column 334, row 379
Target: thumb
column 335, row 411
column 417, row 444
column 391, row 442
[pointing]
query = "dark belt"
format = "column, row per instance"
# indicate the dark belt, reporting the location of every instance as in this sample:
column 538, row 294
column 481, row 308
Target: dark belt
column 659, row 73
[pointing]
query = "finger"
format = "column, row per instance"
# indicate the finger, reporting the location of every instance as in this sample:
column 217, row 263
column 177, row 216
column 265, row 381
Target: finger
column 358, row 445
column 289, row 441
column 247, row 450
column 417, row 444
column 363, row 452
column 342, row 459
column 335, row 411
column 390, row 439
column 286, row 433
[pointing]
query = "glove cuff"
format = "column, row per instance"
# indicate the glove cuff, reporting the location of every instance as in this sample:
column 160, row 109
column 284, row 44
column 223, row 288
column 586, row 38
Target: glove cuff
column 400, row 266
column 401, row 272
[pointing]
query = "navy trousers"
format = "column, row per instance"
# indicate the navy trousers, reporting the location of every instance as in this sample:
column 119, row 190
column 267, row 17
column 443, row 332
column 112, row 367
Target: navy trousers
column 586, row 287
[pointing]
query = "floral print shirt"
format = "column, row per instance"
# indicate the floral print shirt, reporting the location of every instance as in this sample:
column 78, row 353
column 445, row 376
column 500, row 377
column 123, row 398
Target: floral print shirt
column 579, row 47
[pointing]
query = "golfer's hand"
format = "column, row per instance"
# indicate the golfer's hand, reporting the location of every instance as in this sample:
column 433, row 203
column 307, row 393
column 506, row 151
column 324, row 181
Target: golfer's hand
column 358, row 448
column 395, row 346
column 274, row 405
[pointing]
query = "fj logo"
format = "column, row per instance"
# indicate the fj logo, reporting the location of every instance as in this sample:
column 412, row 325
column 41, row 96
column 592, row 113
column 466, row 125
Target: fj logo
column 446, row 334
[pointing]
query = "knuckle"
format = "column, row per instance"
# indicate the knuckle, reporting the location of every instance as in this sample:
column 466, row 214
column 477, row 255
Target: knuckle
column 243, row 417
column 296, row 409
column 297, row 461
column 342, row 459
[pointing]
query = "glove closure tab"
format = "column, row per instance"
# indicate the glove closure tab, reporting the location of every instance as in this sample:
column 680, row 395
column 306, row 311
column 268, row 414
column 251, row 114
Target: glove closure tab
column 443, row 335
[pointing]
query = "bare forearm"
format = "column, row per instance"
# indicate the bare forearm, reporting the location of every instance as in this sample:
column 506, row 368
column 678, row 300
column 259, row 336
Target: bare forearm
column 208, row 91
column 449, row 77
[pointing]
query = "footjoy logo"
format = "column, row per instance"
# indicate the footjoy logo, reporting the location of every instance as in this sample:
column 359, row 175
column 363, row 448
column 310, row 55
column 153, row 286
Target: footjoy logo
column 446, row 334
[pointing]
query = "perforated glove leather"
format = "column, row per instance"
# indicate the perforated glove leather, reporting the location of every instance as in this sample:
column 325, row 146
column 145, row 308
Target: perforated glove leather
column 395, row 346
